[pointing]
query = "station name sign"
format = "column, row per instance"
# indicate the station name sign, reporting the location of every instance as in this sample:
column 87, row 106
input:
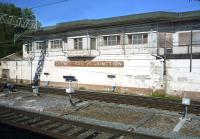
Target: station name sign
column 89, row 63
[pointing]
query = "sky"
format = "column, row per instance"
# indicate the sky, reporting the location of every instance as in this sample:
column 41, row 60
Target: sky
column 72, row 10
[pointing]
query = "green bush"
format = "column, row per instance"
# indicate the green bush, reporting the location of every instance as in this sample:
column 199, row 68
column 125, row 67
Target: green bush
column 82, row 88
column 158, row 93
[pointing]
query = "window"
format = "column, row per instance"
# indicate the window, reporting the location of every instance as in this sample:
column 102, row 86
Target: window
column 78, row 43
column 165, row 40
column 138, row 38
column 40, row 45
column 111, row 40
column 185, row 38
column 56, row 44
column 28, row 47
column 5, row 73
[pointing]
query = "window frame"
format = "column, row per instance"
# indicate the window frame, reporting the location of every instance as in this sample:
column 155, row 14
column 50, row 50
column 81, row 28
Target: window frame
column 28, row 47
column 137, row 38
column 111, row 40
column 184, row 38
column 78, row 43
column 39, row 47
column 54, row 45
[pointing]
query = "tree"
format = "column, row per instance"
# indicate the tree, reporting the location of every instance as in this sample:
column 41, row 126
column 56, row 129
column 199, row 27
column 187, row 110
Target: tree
column 7, row 31
column 28, row 13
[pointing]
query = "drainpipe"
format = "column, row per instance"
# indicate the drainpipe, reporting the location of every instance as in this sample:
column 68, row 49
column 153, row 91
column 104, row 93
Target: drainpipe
column 164, row 67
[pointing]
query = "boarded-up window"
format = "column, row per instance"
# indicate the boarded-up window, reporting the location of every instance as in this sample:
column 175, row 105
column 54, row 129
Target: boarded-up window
column 185, row 38
column 166, row 39
column 5, row 73
column 196, row 38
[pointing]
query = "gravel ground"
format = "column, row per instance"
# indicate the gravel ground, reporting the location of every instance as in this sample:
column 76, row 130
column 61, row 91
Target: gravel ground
column 140, row 119
column 163, row 122
column 103, row 112
column 191, row 128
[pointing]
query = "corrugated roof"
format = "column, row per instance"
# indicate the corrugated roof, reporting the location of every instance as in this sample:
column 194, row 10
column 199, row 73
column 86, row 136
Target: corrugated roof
column 121, row 20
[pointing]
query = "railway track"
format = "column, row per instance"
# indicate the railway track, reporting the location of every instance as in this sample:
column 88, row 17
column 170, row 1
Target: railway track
column 58, row 127
column 150, row 102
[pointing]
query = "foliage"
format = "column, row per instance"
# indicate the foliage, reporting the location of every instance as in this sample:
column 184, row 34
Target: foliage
column 162, row 94
column 82, row 88
column 7, row 32
column 158, row 93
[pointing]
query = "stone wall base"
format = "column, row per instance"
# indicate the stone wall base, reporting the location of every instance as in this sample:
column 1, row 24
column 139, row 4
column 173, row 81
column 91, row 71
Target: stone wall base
column 188, row 94
column 124, row 90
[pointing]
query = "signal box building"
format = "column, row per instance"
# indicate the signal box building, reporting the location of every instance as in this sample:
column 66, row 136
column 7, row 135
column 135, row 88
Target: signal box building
column 148, row 53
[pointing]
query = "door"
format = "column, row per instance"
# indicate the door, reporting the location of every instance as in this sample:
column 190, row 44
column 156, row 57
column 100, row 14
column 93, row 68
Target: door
column 93, row 43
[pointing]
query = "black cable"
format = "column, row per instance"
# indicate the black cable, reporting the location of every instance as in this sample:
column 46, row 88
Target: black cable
column 48, row 4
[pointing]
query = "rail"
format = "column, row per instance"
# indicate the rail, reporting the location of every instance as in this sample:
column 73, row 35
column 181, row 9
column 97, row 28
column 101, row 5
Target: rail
column 60, row 127
column 143, row 101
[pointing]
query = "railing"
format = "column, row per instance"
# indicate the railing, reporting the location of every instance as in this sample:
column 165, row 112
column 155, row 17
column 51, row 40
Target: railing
column 124, row 50
column 182, row 49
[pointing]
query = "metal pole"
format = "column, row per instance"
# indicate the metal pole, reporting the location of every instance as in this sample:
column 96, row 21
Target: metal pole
column 88, row 43
column 123, row 41
column 191, row 52
column 31, row 72
column 158, row 42
column 69, row 85
column 164, row 73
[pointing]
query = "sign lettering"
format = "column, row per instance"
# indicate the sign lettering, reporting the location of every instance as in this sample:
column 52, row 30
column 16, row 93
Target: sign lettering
column 89, row 63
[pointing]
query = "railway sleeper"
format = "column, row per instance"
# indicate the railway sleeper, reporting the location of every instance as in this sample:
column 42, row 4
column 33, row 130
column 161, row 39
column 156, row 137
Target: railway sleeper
column 23, row 119
column 14, row 117
column 53, row 125
column 74, row 130
column 103, row 135
column 46, row 124
column 34, row 121
column 79, row 132
column 87, row 135
column 65, row 129
column 7, row 115
column 38, row 124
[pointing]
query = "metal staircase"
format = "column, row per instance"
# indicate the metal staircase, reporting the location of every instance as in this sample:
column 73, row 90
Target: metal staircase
column 40, row 66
